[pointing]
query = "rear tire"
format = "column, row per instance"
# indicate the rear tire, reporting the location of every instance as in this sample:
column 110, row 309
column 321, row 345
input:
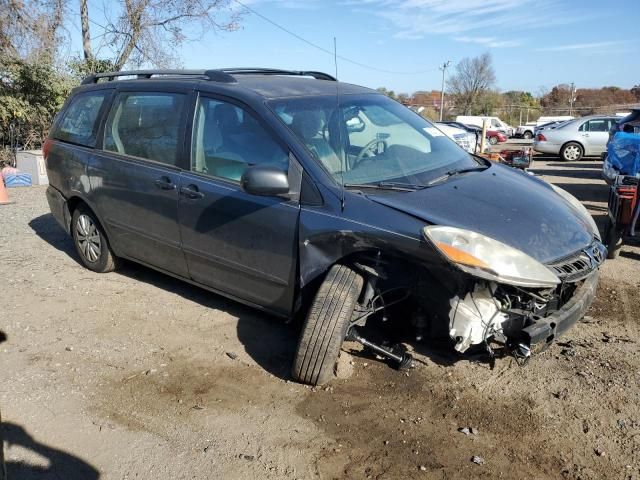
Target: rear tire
column 571, row 152
column 91, row 242
column 326, row 326
column 493, row 140
column 528, row 135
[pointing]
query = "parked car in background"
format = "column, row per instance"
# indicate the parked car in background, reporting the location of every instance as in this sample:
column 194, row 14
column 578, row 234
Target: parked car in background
column 528, row 130
column 548, row 126
column 493, row 136
column 585, row 136
column 494, row 123
column 462, row 137
column 333, row 208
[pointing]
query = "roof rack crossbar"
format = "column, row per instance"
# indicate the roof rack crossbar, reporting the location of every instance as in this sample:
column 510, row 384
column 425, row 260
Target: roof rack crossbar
column 224, row 75
column 277, row 71
column 212, row 75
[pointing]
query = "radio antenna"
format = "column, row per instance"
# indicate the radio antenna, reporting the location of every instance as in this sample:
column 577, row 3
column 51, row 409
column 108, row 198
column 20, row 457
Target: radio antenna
column 341, row 152
column 335, row 55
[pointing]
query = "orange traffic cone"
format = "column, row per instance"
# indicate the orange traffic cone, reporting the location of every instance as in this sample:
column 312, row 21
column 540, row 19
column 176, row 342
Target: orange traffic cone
column 4, row 196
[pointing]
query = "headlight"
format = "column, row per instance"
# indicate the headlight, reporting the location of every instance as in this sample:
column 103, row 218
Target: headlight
column 575, row 203
column 487, row 258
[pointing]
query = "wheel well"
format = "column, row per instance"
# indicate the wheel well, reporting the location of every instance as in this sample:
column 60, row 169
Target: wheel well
column 573, row 141
column 73, row 203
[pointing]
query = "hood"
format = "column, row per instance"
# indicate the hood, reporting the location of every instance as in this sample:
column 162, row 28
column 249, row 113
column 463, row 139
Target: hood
column 502, row 203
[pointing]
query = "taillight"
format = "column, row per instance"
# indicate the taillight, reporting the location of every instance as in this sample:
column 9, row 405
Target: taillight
column 541, row 138
column 46, row 146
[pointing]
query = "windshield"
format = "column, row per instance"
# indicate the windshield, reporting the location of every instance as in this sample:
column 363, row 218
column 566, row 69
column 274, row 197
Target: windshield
column 371, row 140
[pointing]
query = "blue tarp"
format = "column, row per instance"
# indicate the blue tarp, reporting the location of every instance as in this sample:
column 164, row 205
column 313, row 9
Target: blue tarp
column 623, row 153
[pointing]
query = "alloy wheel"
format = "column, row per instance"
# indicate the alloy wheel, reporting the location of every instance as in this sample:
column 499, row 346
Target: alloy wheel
column 572, row 152
column 88, row 238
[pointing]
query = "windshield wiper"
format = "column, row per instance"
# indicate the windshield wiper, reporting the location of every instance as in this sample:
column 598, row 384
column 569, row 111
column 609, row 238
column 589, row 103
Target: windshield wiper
column 398, row 187
column 453, row 173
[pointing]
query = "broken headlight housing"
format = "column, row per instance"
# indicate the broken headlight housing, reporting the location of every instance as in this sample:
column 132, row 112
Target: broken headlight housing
column 575, row 203
column 484, row 257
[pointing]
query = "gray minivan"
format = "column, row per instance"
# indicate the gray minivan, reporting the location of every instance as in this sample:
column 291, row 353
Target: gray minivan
column 294, row 193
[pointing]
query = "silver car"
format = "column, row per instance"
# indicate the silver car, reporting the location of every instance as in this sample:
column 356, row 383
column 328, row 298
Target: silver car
column 585, row 136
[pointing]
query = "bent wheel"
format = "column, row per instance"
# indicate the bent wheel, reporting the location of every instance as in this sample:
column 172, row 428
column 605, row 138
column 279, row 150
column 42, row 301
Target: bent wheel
column 326, row 326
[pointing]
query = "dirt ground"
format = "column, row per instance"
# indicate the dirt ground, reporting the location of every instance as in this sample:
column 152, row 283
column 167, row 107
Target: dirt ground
column 134, row 375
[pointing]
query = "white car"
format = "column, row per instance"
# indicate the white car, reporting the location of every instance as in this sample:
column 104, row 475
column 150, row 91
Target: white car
column 493, row 123
column 466, row 140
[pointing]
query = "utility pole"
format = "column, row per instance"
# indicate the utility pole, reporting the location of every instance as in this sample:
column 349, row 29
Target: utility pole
column 572, row 98
column 443, row 67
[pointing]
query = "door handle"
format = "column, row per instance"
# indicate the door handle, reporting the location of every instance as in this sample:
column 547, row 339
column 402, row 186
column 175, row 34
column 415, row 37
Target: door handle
column 191, row 192
column 165, row 183
column 585, row 134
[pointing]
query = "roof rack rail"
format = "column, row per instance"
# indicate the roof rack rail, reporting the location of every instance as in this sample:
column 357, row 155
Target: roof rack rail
column 212, row 75
column 277, row 71
column 223, row 75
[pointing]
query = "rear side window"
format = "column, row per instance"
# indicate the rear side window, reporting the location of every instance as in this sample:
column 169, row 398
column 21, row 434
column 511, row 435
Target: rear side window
column 145, row 125
column 78, row 123
column 600, row 125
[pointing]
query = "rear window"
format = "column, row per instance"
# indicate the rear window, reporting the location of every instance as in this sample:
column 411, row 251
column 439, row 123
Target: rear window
column 145, row 125
column 78, row 123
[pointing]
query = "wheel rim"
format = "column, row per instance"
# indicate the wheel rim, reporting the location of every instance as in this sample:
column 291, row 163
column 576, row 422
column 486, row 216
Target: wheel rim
column 88, row 238
column 572, row 152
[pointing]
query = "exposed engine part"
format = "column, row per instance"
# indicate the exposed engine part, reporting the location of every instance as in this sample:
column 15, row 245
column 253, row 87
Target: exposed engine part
column 475, row 318
column 419, row 322
column 402, row 360
column 522, row 353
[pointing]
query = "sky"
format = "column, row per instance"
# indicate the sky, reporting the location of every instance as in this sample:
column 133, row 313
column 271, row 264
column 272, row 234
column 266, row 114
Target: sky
column 535, row 44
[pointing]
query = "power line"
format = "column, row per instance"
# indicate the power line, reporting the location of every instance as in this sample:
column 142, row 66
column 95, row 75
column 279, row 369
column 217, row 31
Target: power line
column 325, row 50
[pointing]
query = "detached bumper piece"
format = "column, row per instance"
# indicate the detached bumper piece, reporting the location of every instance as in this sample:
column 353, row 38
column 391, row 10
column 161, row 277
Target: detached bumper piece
column 545, row 330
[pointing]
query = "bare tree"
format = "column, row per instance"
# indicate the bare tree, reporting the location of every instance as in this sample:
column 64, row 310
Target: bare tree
column 149, row 31
column 30, row 30
column 473, row 77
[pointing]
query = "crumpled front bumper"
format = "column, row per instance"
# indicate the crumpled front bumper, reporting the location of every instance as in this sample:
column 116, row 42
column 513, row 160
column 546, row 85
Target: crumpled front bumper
column 545, row 330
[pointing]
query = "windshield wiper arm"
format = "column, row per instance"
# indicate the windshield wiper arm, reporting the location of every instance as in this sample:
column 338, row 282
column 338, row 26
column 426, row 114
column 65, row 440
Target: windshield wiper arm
column 453, row 173
column 399, row 187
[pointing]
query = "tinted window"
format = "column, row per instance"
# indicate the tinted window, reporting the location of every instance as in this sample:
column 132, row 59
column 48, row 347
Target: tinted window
column 78, row 124
column 145, row 125
column 227, row 139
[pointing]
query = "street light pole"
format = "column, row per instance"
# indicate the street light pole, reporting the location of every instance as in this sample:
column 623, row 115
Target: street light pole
column 572, row 98
column 443, row 67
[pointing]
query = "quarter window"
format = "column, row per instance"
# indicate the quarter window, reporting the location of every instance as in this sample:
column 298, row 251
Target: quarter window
column 145, row 125
column 227, row 139
column 78, row 124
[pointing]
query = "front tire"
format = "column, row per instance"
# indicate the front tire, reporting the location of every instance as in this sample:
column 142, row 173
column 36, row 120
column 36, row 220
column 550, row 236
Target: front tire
column 571, row 152
column 493, row 140
column 528, row 135
column 326, row 326
column 91, row 242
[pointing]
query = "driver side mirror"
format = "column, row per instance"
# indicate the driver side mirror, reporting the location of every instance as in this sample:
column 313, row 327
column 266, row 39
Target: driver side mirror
column 265, row 180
